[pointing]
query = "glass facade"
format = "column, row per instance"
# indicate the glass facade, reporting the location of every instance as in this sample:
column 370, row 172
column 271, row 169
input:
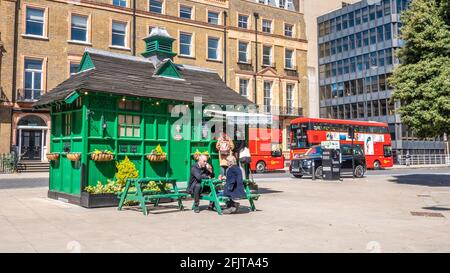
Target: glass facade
column 356, row 48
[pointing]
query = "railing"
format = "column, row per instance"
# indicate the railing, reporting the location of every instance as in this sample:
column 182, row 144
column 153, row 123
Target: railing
column 28, row 95
column 8, row 163
column 423, row 159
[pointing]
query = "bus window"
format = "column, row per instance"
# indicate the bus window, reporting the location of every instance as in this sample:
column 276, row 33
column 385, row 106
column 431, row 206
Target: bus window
column 299, row 136
column 387, row 151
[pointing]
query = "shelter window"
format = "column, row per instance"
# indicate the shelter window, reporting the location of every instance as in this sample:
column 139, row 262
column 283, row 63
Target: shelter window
column 129, row 126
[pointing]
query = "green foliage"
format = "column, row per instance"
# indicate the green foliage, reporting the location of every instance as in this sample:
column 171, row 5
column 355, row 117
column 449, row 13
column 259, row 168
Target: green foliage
column 110, row 187
column 422, row 81
column 158, row 151
column 96, row 151
column 125, row 169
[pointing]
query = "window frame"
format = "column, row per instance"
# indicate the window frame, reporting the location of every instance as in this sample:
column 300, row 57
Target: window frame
column 25, row 7
column 126, row 3
column 218, row 49
column 126, row 38
column 191, row 46
column 192, row 10
column 292, row 30
column 293, row 57
column 43, row 72
column 219, row 21
column 88, row 28
column 264, row 29
column 267, row 107
column 247, row 54
column 247, row 22
column 163, row 6
column 247, row 89
column 270, row 56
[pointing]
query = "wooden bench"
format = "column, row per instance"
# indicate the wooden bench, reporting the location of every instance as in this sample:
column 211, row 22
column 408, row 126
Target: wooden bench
column 214, row 197
column 143, row 196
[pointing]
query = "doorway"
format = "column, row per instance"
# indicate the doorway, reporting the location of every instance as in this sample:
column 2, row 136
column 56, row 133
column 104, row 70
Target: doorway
column 31, row 145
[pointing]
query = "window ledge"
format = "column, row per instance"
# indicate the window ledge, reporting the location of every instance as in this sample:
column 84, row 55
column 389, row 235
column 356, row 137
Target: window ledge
column 35, row 37
column 241, row 62
column 79, row 42
column 186, row 56
column 290, row 68
column 120, row 47
column 214, row 60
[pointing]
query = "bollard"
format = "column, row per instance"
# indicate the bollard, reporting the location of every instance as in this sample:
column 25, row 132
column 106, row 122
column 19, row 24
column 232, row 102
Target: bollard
column 313, row 171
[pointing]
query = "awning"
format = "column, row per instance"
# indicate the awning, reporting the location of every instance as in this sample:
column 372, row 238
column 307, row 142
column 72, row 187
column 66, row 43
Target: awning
column 239, row 117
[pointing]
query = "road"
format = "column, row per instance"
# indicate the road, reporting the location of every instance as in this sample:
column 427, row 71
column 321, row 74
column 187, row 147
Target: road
column 432, row 174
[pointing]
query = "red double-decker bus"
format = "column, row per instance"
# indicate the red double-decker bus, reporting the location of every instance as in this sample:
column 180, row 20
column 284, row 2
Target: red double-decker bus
column 373, row 136
column 265, row 148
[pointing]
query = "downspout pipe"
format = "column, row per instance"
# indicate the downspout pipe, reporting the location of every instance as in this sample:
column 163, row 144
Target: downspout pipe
column 256, row 15
column 14, row 64
column 225, row 46
column 134, row 27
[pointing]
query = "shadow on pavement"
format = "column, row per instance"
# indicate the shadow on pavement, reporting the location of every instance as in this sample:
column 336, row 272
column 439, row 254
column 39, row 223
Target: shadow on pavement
column 429, row 180
column 266, row 190
column 436, row 208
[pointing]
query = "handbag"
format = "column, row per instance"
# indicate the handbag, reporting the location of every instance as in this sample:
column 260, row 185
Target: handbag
column 244, row 156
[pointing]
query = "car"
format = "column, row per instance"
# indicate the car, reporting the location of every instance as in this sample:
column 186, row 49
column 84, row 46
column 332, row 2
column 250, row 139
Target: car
column 302, row 166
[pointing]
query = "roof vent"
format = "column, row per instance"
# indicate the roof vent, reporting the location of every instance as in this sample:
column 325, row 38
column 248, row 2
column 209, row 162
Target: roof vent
column 158, row 46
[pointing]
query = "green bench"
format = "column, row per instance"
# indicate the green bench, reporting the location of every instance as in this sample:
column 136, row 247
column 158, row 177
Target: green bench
column 214, row 197
column 143, row 196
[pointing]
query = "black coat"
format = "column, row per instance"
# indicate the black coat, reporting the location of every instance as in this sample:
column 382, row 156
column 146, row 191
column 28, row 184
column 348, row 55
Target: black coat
column 197, row 174
column 234, row 186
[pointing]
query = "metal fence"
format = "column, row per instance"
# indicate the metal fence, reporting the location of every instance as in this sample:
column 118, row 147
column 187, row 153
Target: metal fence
column 8, row 163
column 423, row 159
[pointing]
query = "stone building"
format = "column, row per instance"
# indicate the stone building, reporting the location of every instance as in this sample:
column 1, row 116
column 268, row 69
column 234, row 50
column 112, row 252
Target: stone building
column 44, row 41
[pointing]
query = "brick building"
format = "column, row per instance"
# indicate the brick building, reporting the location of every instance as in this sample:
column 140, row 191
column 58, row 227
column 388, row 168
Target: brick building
column 44, row 40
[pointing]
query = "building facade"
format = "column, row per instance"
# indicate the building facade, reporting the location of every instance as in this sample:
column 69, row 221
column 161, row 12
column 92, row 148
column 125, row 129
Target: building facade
column 252, row 44
column 357, row 46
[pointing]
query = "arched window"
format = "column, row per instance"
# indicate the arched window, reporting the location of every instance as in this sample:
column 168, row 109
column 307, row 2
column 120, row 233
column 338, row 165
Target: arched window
column 31, row 120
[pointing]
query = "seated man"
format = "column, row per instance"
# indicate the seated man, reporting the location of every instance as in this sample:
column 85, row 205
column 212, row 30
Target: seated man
column 234, row 186
column 201, row 170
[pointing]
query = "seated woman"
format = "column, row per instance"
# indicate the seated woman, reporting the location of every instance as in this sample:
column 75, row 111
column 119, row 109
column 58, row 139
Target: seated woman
column 234, row 186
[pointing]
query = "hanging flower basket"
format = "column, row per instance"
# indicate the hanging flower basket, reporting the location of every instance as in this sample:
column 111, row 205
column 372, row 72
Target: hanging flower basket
column 52, row 156
column 74, row 156
column 197, row 154
column 156, row 158
column 157, row 155
column 102, row 157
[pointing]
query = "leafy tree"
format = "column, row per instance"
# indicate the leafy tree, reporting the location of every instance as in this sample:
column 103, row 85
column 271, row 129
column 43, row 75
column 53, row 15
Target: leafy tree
column 422, row 80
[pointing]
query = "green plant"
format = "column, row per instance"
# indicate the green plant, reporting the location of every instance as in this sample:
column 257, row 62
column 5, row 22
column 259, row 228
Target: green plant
column 125, row 169
column 152, row 186
column 96, row 151
column 158, row 151
column 110, row 187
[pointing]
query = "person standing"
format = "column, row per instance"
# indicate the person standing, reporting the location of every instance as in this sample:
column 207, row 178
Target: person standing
column 224, row 146
column 201, row 170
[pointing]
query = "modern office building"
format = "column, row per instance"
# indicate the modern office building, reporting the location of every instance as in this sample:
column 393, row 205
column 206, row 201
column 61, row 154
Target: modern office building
column 257, row 47
column 357, row 46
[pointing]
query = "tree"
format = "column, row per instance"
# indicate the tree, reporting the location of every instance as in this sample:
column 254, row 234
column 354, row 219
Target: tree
column 422, row 80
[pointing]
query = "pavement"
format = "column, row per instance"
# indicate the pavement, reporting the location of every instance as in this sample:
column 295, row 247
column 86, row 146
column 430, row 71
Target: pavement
column 377, row 213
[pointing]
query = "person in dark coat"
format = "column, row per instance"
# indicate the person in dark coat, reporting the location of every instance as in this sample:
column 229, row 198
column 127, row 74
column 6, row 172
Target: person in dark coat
column 234, row 185
column 201, row 170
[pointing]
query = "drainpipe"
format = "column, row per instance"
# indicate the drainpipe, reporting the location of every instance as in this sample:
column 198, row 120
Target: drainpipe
column 134, row 27
column 14, row 66
column 256, row 15
column 225, row 47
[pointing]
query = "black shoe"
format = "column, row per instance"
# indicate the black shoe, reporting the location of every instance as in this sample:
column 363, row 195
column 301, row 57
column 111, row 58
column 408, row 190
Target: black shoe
column 236, row 206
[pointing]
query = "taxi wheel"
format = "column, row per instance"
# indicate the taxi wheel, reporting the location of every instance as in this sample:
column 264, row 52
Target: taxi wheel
column 297, row 175
column 359, row 171
column 319, row 172
column 260, row 167
column 376, row 165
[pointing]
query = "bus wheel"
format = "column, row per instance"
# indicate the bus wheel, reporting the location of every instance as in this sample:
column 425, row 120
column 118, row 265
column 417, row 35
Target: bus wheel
column 319, row 172
column 359, row 171
column 376, row 165
column 260, row 167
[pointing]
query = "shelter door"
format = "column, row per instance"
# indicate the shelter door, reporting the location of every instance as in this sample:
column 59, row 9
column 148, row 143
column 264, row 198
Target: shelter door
column 31, row 145
column 179, row 154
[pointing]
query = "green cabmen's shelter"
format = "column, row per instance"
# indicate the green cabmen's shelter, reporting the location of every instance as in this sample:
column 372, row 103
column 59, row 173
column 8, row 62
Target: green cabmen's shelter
column 122, row 104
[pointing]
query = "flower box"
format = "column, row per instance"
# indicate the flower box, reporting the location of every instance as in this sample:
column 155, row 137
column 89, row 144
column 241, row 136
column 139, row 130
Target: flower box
column 102, row 157
column 101, row 200
column 74, row 156
column 52, row 156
